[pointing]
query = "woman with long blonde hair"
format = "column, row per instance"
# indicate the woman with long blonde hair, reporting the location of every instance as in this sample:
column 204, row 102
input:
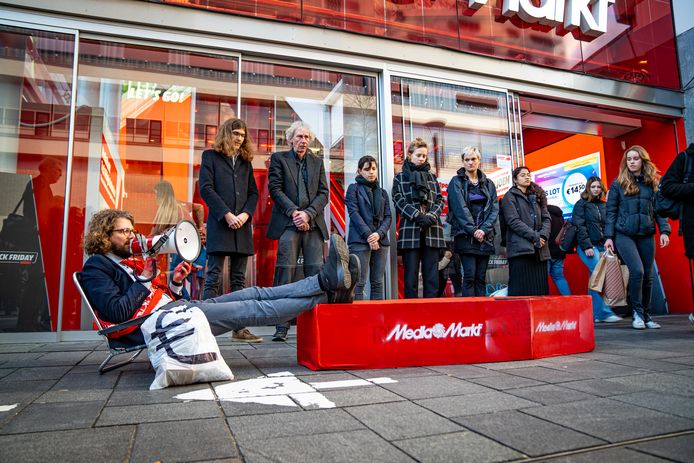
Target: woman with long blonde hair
column 630, row 225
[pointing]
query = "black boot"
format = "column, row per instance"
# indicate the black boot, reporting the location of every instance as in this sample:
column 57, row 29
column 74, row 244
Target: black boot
column 334, row 275
column 345, row 296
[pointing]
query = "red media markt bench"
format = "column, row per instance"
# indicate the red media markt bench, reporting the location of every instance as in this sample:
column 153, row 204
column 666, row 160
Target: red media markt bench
column 417, row 332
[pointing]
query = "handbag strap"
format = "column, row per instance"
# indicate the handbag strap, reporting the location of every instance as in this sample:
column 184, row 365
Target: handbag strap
column 21, row 200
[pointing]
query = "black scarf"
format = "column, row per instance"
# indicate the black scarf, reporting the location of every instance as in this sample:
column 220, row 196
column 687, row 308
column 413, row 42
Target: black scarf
column 374, row 193
column 419, row 177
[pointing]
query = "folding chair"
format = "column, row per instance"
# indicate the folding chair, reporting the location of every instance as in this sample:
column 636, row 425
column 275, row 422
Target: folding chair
column 115, row 346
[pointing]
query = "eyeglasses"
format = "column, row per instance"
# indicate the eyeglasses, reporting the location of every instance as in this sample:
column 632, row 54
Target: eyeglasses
column 125, row 231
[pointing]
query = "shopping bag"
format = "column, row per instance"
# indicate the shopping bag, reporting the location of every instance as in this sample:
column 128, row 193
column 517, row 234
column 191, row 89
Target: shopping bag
column 614, row 291
column 597, row 278
column 182, row 349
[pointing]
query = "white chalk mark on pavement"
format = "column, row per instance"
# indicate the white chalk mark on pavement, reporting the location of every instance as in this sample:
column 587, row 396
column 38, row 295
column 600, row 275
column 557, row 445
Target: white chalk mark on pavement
column 283, row 389
column 7, row 408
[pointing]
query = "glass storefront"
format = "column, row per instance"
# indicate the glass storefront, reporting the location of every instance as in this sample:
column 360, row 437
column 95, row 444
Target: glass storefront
column 450, row 117
column 35, row 99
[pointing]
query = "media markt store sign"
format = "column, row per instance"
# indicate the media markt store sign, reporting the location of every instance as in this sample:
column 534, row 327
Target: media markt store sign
column 589, row 15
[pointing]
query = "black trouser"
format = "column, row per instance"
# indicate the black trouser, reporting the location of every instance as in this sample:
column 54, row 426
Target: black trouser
column 429, row 260
column 474, row 274
column 638, row 254
column 215, row 269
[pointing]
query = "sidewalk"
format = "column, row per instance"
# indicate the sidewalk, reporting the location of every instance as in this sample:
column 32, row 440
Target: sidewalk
column 630, row 400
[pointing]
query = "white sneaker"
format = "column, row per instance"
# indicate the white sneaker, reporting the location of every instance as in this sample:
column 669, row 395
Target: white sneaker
column 638, row 323
column 613, row 319
column 653, row 325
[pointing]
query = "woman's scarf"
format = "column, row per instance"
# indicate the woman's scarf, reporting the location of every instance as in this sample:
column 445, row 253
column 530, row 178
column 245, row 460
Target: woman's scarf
column 419, row 177
column 372, row 189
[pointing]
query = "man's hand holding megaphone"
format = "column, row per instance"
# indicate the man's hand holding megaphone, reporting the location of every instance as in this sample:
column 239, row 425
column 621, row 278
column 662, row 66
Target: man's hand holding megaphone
column 181, row 272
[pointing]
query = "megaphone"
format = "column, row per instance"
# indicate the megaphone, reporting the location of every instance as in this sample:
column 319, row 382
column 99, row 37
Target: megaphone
column 182, row 239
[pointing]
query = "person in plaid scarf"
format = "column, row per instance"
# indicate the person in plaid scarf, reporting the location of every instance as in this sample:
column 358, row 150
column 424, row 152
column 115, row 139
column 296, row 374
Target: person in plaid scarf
column 419, row 202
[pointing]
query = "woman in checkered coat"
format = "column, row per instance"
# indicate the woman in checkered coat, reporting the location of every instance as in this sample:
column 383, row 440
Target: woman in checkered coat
column 419, row 202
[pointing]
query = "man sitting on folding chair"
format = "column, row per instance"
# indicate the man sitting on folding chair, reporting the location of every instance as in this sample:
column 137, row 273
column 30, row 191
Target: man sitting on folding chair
column 114, row 285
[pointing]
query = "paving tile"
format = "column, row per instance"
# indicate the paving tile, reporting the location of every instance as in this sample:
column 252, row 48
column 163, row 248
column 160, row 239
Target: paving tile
column 134, row 414
column 83, row 381
column 402, row 420
column 6, row 371
column 643, row 364
column 146, row 397
column 689, row 372
column 663, row 382
column 475, row 403
column 37, row 373
column 681, row 360
column 395, row 373
column 527, row 434
column 511, row 365
column 550, row 394
column 76, row 446
column 96, row 357
column 269, row 352
column 67, row 346
column 183, row 441
column 458, row 446
column 360, row 396
column 433, row 386
column 644, row 353
column 17, row 348
column 464, row 371
column 240, row 409
column 53, row 416
column 337, row 447
column 611, row 420
column 26, row 386
column 62, row 395
column 504, row 381
column 603, row 388
column 679, row 448
column 614, row 455
column 664, row 402
column 597, row 369
column 50, row 359
column 547, row 375
column 301, row 423
column 18, row 359
column 270, row 365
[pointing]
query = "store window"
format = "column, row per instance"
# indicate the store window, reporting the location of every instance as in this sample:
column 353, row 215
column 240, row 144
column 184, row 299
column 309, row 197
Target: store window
column 35, row 93
column 341, row 110
column 449, row 118
column 143, row 116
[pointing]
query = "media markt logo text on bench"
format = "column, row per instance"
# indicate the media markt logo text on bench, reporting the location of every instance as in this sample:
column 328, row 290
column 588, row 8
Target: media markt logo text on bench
column 438, row 331
column 564, row 325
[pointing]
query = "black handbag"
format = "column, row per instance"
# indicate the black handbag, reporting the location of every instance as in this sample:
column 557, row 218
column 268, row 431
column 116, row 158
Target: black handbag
column 569, row 238
column 16, row 231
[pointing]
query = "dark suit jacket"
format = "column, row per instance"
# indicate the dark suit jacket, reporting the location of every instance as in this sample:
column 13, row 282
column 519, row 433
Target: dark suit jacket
column 226, row 189
column 283, row 177
column 361, row 215
column 111, row 291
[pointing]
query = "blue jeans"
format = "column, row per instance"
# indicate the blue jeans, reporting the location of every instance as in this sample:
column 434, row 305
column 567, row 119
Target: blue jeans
column 600, row 310
column 373, row 266
column 556, row 271
column 638, row 254
column 258, row 306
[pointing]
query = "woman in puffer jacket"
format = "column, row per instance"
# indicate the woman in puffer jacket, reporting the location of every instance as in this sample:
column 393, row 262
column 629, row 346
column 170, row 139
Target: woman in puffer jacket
column 527, row 230
column 630, row 226
column 589, row 218
column 473, row 210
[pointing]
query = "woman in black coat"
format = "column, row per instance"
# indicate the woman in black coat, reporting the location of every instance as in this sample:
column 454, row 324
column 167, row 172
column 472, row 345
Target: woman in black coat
column 630, row 226
column 228, row 187
column 418, row 199
column 527, row 230
column 473, row 210
column 588, row 217
column 368, row 206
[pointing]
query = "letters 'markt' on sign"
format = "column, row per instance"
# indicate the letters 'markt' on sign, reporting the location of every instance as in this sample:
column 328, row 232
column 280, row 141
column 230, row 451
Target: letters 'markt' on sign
column 589, row 15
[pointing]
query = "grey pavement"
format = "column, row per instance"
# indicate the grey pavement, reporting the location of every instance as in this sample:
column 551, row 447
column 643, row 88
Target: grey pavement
column 630, row 400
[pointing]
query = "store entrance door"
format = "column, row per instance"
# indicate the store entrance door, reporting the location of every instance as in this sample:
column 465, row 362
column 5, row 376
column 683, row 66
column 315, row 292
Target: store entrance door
column 565, row 143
